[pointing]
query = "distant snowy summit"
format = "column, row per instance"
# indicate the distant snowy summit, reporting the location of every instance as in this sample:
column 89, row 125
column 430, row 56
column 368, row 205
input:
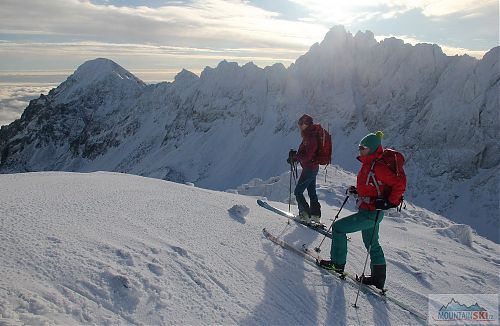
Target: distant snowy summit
column 95, row 73
column 234, row 123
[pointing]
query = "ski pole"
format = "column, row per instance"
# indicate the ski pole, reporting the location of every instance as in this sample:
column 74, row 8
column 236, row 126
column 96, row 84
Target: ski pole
column 295, row 172
column 291, row 155
column 317, row 249
column 366, row 260
column 290, row 190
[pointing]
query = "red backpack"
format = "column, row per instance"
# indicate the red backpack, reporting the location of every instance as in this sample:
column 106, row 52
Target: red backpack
column 324, row 152
column 395, row 162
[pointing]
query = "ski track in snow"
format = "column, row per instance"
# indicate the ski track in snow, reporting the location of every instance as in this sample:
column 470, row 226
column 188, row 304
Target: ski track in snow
column 109, row 248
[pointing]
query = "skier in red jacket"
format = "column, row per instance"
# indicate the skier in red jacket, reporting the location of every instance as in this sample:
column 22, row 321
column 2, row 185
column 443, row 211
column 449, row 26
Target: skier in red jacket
column 307, row 180
column 375, row 181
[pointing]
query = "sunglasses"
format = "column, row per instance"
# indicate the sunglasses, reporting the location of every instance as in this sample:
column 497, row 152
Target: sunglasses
column 362, row 148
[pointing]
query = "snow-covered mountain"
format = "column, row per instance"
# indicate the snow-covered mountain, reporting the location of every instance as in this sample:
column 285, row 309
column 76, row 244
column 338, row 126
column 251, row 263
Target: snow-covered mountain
column 112, row 249
column 234, row 123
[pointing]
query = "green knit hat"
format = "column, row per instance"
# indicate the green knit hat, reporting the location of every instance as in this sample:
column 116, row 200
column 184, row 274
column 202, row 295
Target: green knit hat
column 372, row 141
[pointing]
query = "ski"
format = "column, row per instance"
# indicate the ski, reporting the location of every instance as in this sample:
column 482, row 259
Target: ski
column 314, row 258
column 321, row 228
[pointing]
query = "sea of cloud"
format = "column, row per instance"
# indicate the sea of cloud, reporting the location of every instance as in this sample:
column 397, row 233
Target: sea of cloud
column 15, row 97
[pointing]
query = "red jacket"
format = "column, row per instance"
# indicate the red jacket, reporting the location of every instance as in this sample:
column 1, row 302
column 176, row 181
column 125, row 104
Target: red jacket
column 391, row 187
column 308, row 148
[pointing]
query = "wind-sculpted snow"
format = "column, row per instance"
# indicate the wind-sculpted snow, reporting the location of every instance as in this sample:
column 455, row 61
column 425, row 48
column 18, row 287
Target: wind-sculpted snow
column 236, row 123
column 106, row 249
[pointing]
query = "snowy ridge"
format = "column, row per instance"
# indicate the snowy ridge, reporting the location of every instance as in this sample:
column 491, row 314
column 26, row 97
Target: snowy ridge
column 235, row 123
column 108, row 248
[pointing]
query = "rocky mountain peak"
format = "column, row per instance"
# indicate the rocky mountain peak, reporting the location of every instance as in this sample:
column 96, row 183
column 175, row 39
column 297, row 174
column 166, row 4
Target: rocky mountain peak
column 185, row 77
column 93, row 73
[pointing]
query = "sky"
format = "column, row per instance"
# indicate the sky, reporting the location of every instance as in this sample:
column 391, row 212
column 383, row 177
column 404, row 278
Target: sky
column 45, row 41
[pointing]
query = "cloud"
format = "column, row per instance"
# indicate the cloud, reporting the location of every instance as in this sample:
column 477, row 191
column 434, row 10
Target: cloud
column 349, row 11
column 464, row 24
column 133, row 56
column 203, row 22
column 191, row 35
column 60, row 34
column 346, row 12
column 100, row 48
column 449, row 7
column 14, row 98
column 447, row 49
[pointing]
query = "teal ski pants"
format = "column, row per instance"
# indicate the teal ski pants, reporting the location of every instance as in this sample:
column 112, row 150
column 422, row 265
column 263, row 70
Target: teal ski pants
column 363, row 221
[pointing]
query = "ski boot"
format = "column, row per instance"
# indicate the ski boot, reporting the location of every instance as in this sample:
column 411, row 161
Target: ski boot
column 316, row 213
column 315, row 219
column 377, row 278
column 305, row 217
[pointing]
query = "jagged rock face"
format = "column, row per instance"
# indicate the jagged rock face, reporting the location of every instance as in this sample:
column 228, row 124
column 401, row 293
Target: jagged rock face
column 235, row 123
column 75, row 121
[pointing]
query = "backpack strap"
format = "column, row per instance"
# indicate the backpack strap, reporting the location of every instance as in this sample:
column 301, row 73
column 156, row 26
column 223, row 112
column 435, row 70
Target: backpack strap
column 371, row 174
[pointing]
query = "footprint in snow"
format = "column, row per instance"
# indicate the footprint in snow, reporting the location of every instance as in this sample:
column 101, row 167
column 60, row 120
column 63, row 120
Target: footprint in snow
column 120, row 291
column 239, row 212
column 404, row 254
column 155, row 250
column 54, row 239
column 180, row 251
column 125, row 256
column 155, row 269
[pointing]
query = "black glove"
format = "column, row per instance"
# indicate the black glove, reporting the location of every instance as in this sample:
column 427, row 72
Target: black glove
column 352, row 190
column 381, row 203
column 292, row 154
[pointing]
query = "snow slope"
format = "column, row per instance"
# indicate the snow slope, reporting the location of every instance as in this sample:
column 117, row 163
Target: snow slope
column 108, row 248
